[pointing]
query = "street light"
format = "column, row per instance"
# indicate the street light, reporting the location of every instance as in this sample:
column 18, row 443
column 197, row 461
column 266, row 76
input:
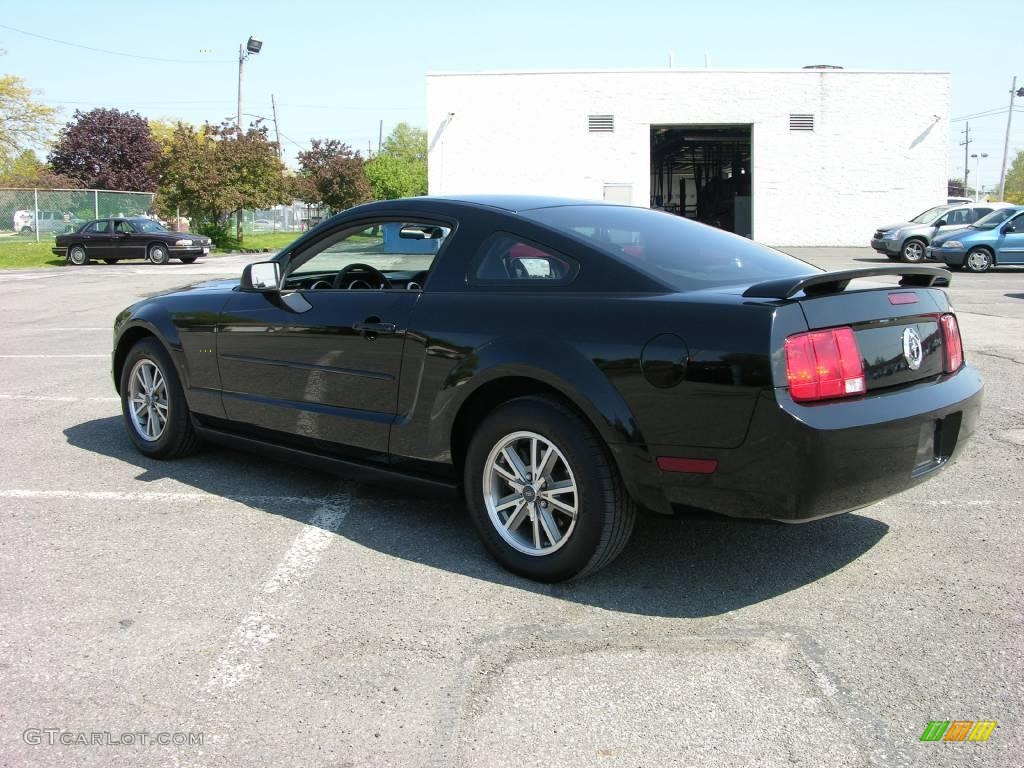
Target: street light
column 245, row 50
column 977, row 173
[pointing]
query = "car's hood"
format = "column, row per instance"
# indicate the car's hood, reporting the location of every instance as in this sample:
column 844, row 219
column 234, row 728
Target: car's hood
column 220, row 285
column 900, row 225
column 956, row 234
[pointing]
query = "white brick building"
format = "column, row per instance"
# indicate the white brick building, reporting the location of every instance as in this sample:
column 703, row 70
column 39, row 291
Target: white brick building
column 799, row 157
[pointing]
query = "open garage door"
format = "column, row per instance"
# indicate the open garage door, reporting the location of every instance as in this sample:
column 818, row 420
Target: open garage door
column 702, row 172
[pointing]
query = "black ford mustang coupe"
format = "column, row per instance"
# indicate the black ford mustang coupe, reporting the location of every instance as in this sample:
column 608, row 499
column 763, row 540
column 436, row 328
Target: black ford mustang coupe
column 561, row 364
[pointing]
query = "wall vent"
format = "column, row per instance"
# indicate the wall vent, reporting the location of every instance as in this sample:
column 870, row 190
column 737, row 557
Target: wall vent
column 801, row 122
column 601, row 123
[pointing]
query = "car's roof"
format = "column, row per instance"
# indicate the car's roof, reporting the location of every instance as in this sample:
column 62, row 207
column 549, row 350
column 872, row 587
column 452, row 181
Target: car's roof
column 515, row 203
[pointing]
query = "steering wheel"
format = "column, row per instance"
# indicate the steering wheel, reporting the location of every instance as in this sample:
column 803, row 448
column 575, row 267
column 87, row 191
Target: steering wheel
column 363, row 271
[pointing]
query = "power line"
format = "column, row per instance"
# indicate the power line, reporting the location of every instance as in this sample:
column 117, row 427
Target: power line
column 116, row 53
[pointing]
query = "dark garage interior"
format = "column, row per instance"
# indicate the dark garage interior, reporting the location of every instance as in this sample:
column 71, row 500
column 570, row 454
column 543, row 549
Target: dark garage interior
column 702, row 172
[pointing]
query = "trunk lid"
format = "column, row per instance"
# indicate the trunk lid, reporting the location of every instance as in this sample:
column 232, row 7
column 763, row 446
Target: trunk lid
column 899, row 343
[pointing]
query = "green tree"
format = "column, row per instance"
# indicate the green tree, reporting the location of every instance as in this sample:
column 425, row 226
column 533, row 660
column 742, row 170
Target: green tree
column 23, row 121
column 27, row 170
column 213, row 172
column 400, row 169
column 1015, row 180
column 331, row 173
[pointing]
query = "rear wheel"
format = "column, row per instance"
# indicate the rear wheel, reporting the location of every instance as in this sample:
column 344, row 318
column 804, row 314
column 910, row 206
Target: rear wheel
column 153, row 403
column 78, row 256
column 158, row 254
column 978, row 260
column 188, row 259
column 543, row 492
column 913, row 251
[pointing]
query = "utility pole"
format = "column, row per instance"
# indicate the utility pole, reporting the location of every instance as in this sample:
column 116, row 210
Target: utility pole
column 1006, row 142
column 966, row 143
column 277, row 132
column 380, row 136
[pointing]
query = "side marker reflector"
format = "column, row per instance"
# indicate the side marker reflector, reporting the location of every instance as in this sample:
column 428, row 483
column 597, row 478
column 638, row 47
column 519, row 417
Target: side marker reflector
column 693, row 466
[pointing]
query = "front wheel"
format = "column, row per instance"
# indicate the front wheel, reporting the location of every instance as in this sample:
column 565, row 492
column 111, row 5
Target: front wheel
column 543, row 492
column 78, row 256
column 978, row 260
column 158, row 254
column 913, row 251
column 153, row 403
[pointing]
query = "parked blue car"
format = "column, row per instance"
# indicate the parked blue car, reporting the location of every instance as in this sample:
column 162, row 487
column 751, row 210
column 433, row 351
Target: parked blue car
column 997, row 239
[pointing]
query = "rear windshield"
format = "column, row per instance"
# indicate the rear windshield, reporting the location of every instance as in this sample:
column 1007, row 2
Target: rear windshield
column 673, row 250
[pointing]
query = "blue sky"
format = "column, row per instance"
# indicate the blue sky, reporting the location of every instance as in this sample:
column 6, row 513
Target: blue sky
column 336, row 69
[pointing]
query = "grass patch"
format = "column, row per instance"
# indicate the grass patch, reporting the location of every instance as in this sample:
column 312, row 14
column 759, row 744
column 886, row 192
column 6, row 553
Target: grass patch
column 16, row 253
column 275, row 241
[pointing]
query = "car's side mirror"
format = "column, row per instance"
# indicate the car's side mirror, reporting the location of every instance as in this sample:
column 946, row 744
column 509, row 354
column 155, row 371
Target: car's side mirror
column 261, row 276
column 1008, row 227
column 940, row 223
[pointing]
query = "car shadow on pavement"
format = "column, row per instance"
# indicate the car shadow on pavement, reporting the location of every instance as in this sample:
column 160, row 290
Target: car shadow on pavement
column 688, row 567
column 879, row 260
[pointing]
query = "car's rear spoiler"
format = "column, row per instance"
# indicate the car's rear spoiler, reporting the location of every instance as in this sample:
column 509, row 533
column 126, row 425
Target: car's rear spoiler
column 833, row 282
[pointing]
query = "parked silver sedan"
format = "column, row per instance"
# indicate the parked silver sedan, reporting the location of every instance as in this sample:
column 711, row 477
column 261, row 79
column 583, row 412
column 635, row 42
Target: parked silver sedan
column 908, row 240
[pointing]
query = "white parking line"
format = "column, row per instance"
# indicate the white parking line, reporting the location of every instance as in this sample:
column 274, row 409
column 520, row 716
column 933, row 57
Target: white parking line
column 150, row 496
column 60, row 398
column 259, row 628
column 43, row 357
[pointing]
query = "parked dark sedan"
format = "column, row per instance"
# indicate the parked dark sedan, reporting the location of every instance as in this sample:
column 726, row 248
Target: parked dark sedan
column 138, row 238
column 561, row 364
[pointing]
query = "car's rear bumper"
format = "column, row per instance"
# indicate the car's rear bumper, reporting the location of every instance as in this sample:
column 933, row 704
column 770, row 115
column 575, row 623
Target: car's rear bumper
column 801, row 462
column 59, row 251
column 953, row 257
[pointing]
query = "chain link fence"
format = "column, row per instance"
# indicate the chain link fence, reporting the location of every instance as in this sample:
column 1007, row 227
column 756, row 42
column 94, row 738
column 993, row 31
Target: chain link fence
column 39, row 214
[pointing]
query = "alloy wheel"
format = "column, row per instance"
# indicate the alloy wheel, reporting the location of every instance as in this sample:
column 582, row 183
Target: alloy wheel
column 531, row 494
column 147, row 400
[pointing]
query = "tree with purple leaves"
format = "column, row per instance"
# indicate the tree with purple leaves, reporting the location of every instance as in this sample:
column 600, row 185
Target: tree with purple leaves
column 107, row 149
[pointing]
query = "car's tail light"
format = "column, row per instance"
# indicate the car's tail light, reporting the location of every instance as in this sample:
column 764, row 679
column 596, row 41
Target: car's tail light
column 954, row 347
column 821, row 365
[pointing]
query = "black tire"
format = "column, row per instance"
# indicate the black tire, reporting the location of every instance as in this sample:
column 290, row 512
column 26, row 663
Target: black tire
column 78, row 256
column 158, row 254
column 913, row 251
column 26, row 230
column 178, row 438
column 188, row 259
column 978, row 260
column 605, row 513
column 110, row 261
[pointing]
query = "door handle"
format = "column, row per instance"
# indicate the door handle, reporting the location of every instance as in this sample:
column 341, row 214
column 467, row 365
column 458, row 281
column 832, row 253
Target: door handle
column 375, row 328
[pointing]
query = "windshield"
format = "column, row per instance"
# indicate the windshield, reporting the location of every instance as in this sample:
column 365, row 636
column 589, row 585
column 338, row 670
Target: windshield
column 930, row 215
column 673, row 250
column 995, row 218
column 145, row 225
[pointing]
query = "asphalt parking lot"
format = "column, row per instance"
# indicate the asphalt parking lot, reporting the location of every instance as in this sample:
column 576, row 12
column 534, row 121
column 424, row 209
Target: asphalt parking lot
column 294, row 618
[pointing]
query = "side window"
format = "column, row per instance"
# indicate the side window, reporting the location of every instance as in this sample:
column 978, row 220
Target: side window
column 505, row 259
column 123, row 227
column 400, row 250
column 99, row 227
column 961, row 216
column 980, row 213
